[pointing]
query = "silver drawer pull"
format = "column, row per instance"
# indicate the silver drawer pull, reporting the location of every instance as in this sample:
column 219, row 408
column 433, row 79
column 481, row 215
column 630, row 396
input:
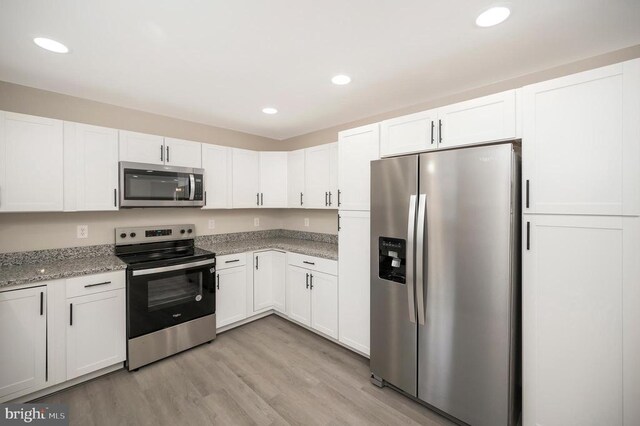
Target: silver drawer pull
column 231, row 261
column 97, row 284
column 308, row 263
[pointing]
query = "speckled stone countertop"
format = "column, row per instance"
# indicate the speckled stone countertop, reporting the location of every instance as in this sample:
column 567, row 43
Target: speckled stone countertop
column 307, row 243
column 44, row 265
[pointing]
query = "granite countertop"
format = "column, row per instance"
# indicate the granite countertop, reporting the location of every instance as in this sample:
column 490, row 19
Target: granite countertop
column 321, row 249
column 11, row 275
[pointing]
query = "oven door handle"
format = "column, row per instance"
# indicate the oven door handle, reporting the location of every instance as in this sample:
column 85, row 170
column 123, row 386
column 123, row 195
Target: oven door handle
column 192, row 186
column 208, row 262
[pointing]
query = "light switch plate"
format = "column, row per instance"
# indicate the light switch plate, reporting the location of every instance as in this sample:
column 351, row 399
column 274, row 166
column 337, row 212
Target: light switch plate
column 82, row 231
column 256, row 221
column 306, row 221
column 212, row 224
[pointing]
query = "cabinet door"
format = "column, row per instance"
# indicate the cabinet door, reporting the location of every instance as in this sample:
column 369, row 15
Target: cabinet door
column 357, row 148
column 487, row 119
column 324, row 303
column 216, row 162
column 141, row 147
column 317, row 176
column 353, row 266
column 410, row 133
column 90, row 168
column 262, row 281
column 273, row 179
column 96, row 332
column 31, row 163
column 246, row 178
column 295, row 178
column 182, row 153
column 298, row 295
column 231, row 295
column 23, row 352
column 575, row 282
column 581, row 149
column 278, row 278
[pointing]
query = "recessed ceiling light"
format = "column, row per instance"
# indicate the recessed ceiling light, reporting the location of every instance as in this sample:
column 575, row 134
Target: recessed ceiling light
column 341, row 79
column 493, row 16
column 269, row 110
column 51, row 45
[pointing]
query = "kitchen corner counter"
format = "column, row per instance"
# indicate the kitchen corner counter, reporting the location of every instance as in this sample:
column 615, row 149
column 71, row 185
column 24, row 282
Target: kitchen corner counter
column 41, row 265
column 325, row 250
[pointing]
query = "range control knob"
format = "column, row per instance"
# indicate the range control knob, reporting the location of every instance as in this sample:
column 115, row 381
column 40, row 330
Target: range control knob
column 190, row 230
column 182, row 231
column 123, row 235
column 132, row 235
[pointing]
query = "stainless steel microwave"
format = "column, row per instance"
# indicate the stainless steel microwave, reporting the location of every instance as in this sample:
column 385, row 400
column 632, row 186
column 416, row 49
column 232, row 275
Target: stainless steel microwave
column 151, row 185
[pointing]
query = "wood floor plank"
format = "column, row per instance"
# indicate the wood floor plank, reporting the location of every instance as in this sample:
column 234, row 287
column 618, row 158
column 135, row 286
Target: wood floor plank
column 268, row 372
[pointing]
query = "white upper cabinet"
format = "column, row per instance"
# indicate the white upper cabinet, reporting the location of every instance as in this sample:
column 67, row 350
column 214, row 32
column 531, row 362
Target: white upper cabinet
column 410, row 133
column 31, row 163
column 273, row 179
column 141, row 147
column 320, row 171
column 357, row 148
column 581, row 292
column 216, row 162
column 486, row 119
column 90, row 167
column 246, row 178
column 182, row 153
column 353, row 266
column 581, row 149
column 295, row 178
column 23, row 352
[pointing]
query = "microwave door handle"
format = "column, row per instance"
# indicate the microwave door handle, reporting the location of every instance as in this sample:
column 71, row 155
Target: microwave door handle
column 192, row 186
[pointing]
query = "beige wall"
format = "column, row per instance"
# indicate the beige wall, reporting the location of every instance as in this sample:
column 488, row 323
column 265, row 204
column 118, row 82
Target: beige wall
column 36, row 231
column 28, row 100
column 331, row 134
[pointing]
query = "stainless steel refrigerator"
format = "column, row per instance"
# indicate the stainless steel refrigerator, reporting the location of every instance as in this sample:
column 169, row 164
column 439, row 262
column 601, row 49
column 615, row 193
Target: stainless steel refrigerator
column 445, row 280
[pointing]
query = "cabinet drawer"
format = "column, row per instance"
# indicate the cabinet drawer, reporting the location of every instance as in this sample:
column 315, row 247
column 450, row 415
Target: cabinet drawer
column 89, row 284
column 231, row 261
column 313, row 263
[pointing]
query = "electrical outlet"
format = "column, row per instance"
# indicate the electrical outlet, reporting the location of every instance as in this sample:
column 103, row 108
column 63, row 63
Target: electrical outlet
column 256, row 221
column 83, row 231
column 306, row 221
column 212, row 224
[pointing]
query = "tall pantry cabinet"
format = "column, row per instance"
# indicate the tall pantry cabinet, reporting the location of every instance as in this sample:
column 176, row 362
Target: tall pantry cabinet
column 356, row 149
column 581, row 248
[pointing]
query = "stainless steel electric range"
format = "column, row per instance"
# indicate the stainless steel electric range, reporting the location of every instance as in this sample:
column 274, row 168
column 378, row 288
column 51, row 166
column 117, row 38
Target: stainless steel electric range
column 171, row 298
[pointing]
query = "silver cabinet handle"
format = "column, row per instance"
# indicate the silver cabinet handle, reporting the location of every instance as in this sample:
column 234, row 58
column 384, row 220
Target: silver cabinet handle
column 115, row 197
column 301, row 198
column 308, row 263
column 218, row 282
column 97, row 284
column 310, row 281
column 411, row 223
column 420, row 277
column 232, row 261
column 307, row 280
column 262, row 198
column 326, row 199
column 257, row 198
column 339, row 197
column 167, row 154
column 162, row 153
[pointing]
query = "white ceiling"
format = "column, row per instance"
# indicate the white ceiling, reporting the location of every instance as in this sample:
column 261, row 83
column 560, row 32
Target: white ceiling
column 220, row 62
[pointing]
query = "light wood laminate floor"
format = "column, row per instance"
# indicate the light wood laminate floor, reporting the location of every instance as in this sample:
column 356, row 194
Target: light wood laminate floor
column 267, row 372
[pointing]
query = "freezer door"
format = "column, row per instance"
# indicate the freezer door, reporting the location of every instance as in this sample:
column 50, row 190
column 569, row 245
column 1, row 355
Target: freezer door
column 393, row 317
column 465, row 280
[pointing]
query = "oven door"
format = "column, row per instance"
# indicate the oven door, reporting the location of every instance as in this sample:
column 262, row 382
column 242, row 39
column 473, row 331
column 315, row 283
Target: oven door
column 166, row 296
column 150, row 185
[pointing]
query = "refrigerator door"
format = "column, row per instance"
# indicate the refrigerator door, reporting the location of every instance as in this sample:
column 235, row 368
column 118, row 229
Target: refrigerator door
column 394, row 185
column 465, row 344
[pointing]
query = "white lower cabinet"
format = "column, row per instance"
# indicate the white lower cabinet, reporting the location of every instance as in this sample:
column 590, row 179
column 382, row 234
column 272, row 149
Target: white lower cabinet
column 23, row 352
column 96, row 332
column 353, row 266
column 231, row 295
column 581, row 339
column 312, row 299
column 268, row 281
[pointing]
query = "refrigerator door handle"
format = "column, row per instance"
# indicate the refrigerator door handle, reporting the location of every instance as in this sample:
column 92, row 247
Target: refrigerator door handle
column 422, row 207
column 410, row 278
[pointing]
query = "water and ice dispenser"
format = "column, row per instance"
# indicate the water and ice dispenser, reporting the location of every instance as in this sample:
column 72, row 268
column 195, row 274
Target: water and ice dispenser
column 392, row 258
